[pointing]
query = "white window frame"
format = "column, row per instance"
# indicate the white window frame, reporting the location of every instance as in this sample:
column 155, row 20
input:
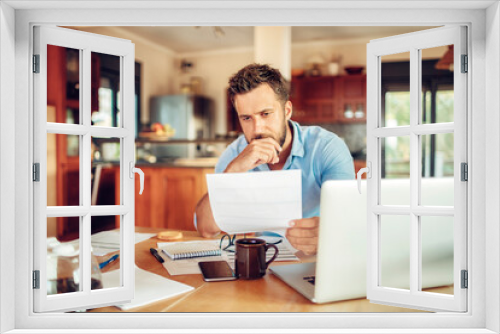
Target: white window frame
column 414, row 43
column 86, row 43
column 483, row 212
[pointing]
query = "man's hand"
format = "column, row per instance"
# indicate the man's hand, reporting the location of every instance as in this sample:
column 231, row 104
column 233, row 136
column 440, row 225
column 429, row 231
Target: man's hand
column 303, row 234
column 258, row 152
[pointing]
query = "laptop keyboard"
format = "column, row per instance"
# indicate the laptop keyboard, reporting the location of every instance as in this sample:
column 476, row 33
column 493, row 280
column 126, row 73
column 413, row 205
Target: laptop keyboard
column 310, row 279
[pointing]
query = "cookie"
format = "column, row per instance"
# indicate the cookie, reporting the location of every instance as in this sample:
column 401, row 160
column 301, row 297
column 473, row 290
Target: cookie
column 169, row 235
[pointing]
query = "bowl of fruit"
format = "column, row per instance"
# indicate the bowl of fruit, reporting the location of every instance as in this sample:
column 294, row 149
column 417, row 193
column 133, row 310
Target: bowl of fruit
column 159, row 131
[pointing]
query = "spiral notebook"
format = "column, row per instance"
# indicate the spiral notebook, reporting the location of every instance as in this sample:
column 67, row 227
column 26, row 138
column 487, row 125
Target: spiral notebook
column 190, row 249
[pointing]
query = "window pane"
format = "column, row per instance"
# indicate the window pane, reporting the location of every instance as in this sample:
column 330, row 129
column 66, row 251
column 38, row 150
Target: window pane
column 106, row 247
column 63, row 84
column 444, row 106
column 395, row 90
column 63, row 171
column 105, row 90
column 63, row 256
column 395, row 251
column 437, row 163
column 105, row 183
column 397, row 109
column 437, row 79
column 437, row 155
column 395, row 165
column 437, row 253
column 427, row 96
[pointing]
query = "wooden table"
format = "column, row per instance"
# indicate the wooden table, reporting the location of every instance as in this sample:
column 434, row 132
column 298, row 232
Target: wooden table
column 268, row 294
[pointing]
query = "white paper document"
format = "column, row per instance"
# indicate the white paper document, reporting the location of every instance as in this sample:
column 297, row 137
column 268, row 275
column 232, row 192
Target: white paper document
column 254, row 202
column 149, row 287
column 109, row 241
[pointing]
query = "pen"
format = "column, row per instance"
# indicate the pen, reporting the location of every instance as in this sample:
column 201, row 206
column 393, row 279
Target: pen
column 156, row 255
column 108, row 261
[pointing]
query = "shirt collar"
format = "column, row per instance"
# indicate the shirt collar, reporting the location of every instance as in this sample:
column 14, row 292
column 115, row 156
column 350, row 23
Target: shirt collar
column 298, row 140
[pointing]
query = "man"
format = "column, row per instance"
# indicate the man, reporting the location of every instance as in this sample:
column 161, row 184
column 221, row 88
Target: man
column 271, row 141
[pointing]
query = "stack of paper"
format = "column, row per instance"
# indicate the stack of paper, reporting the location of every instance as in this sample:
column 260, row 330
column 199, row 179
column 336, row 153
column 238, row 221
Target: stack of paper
column 149, row 287
column 109, row 241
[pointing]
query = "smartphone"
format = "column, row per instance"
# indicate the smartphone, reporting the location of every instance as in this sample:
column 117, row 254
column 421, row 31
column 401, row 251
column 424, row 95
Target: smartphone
column 216, row 271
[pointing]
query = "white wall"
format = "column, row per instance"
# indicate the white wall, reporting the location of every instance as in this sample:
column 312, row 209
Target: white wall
column 7, row 167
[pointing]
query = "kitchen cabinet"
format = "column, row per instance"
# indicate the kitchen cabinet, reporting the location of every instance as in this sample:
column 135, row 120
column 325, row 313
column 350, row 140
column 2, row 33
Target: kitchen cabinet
column 314, row 99
column 329, row 99
column 170, row 196
column 352, row 99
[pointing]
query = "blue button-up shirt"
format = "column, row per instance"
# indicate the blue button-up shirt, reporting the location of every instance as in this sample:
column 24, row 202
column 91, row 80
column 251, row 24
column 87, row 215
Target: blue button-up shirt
column 320, row 154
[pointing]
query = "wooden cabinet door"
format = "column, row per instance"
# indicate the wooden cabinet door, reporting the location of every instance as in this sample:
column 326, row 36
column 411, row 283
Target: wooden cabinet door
column 314, row 88
column 146, row 213
column 317, row 98
column 170, row 197
column 181, row 192
column 296, row 99
column 352, row 99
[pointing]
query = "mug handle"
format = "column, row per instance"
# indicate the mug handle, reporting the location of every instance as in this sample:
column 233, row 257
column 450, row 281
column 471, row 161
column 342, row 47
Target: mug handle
column 275, row 253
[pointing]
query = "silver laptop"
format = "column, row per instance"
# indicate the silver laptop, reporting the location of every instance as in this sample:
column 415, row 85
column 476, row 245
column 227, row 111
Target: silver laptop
column 339, row 272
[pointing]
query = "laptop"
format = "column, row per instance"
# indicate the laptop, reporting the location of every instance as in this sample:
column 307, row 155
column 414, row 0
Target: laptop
column 339, row 272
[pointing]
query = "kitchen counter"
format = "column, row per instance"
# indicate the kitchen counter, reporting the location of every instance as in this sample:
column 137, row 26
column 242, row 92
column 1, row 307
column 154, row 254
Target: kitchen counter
column 174, row 163
column 192, row 163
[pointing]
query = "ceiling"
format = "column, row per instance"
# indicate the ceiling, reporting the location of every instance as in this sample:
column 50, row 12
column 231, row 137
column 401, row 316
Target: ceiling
column 186, row 39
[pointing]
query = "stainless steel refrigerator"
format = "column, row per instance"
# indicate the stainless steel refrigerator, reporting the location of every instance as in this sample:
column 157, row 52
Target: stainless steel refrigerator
column 192, row 117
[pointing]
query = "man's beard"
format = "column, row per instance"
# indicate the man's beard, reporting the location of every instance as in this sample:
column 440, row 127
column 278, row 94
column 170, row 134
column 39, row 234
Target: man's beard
column 282, row 136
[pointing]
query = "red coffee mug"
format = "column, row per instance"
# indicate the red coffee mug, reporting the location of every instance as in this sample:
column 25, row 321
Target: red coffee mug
column 250, row 260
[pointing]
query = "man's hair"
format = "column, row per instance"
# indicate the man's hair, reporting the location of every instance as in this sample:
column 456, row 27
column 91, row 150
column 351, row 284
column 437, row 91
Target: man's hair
column 252, row 76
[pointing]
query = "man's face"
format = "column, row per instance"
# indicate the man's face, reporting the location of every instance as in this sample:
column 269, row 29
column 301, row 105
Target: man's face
column 261, row 115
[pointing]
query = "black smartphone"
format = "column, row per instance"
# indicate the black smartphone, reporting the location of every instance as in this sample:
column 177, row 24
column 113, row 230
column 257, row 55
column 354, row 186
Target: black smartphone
column 216, row 271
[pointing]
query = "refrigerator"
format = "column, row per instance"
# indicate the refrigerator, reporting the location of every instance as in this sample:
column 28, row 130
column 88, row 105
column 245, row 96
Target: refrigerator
column 192, row 117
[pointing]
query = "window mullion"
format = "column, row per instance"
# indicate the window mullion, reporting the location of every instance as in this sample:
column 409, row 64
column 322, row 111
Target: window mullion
column 127, row 162
column 67, row 129
column 415, row 87
column 85, row 168
column 79, row 130
column 98, row 131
